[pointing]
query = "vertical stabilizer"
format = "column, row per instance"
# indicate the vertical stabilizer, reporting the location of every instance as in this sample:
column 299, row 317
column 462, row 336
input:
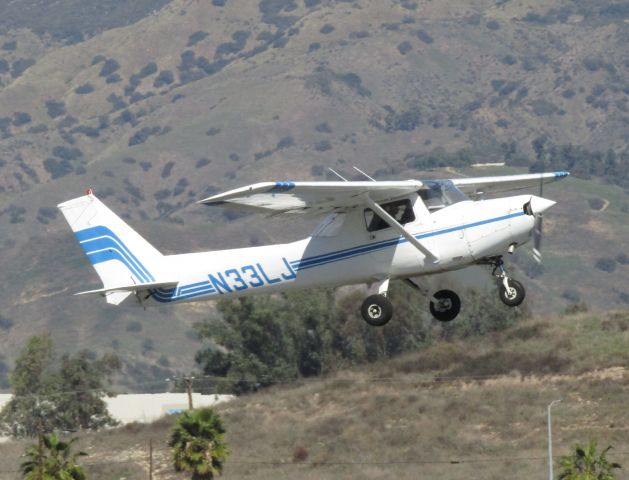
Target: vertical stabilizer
column 118, row 253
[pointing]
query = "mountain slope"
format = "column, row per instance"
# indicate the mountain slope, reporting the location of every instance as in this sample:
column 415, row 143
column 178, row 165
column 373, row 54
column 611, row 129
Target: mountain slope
column 195, row 97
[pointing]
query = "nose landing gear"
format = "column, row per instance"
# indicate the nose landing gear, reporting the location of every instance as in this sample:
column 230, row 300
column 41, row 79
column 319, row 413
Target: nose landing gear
column 511, row 291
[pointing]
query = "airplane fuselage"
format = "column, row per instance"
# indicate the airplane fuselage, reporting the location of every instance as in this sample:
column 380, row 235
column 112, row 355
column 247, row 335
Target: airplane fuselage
column 343, row 251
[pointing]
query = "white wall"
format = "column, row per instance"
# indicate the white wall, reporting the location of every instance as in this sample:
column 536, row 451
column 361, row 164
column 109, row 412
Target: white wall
column 147, row 407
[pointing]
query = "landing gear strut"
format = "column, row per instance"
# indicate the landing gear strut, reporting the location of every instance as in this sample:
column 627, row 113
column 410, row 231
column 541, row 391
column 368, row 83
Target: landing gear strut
column 511, row 291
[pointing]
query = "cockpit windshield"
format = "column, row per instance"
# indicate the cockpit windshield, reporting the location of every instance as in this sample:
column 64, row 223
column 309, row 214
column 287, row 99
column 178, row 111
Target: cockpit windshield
column 440, row 194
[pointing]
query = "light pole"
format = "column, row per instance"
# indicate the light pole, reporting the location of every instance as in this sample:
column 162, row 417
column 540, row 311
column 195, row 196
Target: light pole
column 550, row 440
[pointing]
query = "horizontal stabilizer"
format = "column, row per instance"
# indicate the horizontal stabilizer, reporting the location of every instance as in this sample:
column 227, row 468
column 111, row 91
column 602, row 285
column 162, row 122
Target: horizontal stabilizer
column 138, row 287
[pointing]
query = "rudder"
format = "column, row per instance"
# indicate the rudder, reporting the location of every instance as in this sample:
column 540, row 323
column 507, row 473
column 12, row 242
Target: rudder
column 118, row 253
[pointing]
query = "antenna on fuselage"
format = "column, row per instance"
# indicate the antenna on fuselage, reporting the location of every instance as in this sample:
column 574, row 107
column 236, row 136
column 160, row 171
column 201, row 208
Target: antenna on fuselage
column 363, row 173
column 337, row 174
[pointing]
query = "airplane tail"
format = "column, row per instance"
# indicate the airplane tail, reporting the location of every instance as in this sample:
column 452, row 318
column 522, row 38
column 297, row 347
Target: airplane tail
column 120, row 256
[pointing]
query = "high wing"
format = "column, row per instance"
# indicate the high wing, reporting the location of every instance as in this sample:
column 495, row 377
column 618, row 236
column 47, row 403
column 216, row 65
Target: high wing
column 311, row 197
column 475, row 186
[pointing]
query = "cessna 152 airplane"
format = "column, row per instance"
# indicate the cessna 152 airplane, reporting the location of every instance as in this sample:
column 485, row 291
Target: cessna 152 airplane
column 373, row 231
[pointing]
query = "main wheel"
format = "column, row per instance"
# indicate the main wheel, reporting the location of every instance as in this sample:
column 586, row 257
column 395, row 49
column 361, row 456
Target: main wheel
column 515, row 295
column 445, row 305
column 377, row 310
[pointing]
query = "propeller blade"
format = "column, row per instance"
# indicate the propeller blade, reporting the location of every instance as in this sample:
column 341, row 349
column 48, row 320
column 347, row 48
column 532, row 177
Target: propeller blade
column 537, row 238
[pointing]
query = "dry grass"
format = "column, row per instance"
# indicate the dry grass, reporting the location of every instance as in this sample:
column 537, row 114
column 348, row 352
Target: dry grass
column 399, row 419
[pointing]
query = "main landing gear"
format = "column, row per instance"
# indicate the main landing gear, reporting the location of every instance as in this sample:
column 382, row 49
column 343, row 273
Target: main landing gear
column 377, row 309
column 445, row 305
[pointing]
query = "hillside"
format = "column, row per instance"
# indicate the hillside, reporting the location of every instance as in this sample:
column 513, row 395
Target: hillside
column 450, row 411
column 158, row 104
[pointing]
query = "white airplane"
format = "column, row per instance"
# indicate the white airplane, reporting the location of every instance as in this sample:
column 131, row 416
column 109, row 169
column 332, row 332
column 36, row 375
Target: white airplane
column 373, row 231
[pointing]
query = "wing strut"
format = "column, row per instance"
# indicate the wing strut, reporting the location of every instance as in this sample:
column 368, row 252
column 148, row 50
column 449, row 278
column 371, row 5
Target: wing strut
column 381, row 212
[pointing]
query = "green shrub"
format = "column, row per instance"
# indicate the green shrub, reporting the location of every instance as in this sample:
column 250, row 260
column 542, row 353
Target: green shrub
column 404, row 47
column 84, row 89
column 622, row 259
column 424, row 36
column 19, row 66
column 165, row 77
column 9, row 46
column 55, row 109
column 285, row 142
column 6, row 323
column 110, row 66
column 196, row 37
column 358, row 35
column 606, row 264
column 202, row 162
column 568, row 93
column 509, row 60
column 167, row 170
column 323, row 128
column 596, row 203
column 323, row 146
column 113, row 78
column 21, row 118
column 147, row 70
column 58, row 168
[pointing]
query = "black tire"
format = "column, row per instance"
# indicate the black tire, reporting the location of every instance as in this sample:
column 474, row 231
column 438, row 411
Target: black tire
column 515, row 297
column 448, row 307
column 377, row 310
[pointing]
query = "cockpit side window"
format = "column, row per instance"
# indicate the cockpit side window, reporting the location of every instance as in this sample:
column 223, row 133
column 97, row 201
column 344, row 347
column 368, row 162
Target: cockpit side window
column 401, row 210
column 440, row 194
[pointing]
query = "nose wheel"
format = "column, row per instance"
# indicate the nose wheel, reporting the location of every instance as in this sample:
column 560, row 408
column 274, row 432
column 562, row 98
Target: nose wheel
column 511, row 291
column 513, row 295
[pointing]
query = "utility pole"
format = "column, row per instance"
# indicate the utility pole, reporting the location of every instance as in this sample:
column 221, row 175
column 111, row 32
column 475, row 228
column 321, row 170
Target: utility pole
column 189, row 381
column 550, row 439
column 150, row 459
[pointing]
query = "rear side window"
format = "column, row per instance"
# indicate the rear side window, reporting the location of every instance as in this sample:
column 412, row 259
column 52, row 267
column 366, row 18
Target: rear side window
column 401, row 210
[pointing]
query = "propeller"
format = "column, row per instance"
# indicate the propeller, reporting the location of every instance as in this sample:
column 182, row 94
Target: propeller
column 536, row 207
column 537, row 237
column 539, row 219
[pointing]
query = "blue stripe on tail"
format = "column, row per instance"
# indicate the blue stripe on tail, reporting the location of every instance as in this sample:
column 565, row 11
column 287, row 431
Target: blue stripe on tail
column 100, row 244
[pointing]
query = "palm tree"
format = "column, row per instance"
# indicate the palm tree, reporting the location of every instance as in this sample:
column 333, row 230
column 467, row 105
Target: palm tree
column 52, row 460
column 198, row 443
column 585, row 464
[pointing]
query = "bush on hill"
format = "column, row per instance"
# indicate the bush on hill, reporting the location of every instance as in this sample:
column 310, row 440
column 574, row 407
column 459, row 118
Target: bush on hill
column 276, row 339
column 55, row 109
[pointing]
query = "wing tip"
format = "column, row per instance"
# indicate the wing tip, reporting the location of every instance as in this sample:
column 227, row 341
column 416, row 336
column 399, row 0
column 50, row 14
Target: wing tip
column 561, row 174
